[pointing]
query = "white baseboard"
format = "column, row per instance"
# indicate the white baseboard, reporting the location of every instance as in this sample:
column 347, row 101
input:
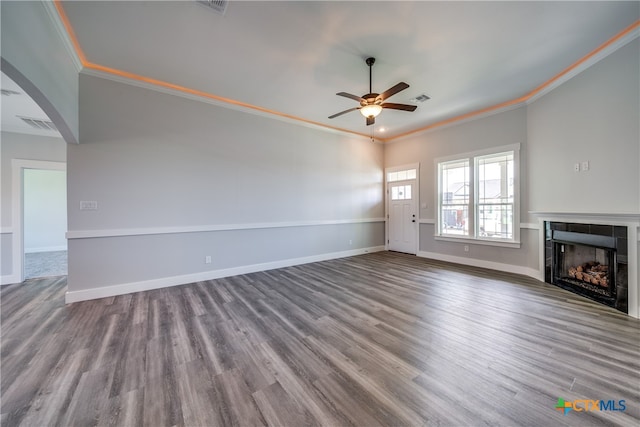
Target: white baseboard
column 164, row 282
column 508, row 268
column 9, row 279
column 45, row 249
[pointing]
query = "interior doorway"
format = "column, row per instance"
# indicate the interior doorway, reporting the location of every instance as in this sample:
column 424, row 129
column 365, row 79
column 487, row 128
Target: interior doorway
column 20, row 168
column 44, row 222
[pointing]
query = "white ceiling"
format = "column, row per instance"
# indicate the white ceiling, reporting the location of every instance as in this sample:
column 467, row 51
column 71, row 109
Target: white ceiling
column 14, row 105
column 293, row 56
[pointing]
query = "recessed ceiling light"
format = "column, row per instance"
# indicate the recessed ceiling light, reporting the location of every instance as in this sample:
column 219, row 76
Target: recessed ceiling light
column 382, row 129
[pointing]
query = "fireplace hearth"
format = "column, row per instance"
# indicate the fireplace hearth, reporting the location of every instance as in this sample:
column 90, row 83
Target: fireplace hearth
column 588, row 259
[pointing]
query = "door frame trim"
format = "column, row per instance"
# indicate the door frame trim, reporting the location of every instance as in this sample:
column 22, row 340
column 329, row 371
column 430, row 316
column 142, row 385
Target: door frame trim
column 415, row 166
column 17, row 210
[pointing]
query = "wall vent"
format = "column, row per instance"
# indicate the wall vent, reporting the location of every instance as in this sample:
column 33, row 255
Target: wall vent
column 420, row 98
column 218, row 6
column 9, row 92
column 39, row 124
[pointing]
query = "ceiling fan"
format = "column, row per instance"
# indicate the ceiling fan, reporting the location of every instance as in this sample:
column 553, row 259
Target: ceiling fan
column 371, row 104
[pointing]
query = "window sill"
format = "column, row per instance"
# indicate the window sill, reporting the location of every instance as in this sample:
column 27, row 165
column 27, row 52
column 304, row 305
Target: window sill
column 486, row 242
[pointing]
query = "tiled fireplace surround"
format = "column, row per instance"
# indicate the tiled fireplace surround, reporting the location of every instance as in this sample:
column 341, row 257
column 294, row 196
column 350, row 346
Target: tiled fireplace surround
column 599, row 224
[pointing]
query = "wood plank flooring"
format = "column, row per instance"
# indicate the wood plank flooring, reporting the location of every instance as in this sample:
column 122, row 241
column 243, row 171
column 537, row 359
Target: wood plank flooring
column 382, row 339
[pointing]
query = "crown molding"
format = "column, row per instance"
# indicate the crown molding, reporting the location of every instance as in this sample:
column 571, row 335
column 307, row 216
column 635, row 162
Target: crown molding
column 613, row 44
column 455, row 121
column 54, row 16
column 206, row 98
column 586, row 62
column 56, row 11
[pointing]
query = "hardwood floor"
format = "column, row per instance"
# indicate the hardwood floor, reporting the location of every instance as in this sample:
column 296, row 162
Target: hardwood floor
column 379, row 339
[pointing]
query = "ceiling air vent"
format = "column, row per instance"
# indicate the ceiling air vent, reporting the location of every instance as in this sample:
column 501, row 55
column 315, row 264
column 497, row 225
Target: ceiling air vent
column 420, row 98
column 218, row 6
column 38, row 123
column 9, row 92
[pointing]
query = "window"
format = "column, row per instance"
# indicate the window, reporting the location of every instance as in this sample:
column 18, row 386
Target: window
column 478, row 197
column 401, row 175
column 495, row 196
column 454, row 200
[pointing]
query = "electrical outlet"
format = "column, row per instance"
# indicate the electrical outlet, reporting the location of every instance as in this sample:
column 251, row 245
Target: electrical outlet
column 207, row 259
column 466, row 248
column 576, row 167
column 585, row 166
column 350, row 242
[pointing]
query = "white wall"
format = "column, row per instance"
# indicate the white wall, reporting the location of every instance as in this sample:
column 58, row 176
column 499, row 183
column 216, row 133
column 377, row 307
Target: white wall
column 45, row 210
column 593, row 117
column 36, row 57
column 177, row 180
column 19, row 146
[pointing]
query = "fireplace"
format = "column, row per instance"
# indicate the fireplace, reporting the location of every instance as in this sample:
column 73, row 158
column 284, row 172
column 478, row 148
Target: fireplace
column 588, row 259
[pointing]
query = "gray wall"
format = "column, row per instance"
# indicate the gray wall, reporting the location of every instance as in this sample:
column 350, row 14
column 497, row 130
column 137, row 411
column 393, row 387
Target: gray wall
column 36, row 57
column 20, row 146
column 493, row 131
column 500, row 129
column 160, row 166
column 45, row 210
column 592, row 117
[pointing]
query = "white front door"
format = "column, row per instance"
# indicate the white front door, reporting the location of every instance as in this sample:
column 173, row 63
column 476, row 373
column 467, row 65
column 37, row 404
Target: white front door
column 403, row 218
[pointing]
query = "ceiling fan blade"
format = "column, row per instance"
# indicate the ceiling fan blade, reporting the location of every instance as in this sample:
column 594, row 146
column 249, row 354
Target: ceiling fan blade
column 370, row 120
column 403, row 107
column 348, row 95
column 393, row 90
column 344, row 112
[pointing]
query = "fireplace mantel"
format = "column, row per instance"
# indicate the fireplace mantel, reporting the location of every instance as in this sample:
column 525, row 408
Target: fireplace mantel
column 590, row 218
column 630, row 220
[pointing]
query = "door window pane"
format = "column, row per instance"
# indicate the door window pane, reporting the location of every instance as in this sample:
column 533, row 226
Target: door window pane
column 401, row 192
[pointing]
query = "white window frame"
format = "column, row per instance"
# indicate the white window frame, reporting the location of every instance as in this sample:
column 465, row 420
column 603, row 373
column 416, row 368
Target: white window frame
column 474, row 237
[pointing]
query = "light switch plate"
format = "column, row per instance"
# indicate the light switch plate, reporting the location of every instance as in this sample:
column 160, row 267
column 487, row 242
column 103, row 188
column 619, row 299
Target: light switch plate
column 88, row 205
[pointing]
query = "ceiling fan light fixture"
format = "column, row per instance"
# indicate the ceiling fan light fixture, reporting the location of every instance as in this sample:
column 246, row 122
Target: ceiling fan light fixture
column 371, row 110
column 371, row 104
